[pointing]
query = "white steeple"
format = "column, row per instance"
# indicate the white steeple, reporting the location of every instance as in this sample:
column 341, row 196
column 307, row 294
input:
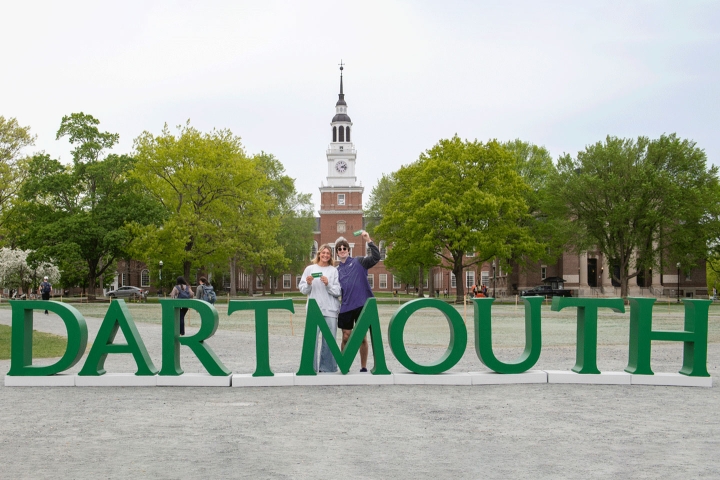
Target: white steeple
column 341, row 153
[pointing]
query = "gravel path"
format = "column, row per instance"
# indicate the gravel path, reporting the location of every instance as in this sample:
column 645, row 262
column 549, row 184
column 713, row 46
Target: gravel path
column 516, row 431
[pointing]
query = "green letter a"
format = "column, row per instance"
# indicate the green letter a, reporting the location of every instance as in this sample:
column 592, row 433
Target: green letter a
column 117, row 317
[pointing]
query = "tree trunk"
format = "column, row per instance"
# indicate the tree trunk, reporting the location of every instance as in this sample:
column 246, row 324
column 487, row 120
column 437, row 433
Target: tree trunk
column 459, row 285
column 186, row 269
column 431, row 283
column 421, row 281
column 233, row 276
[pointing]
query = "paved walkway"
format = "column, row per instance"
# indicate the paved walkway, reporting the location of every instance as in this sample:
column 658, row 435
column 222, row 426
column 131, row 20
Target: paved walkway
column 517, row 431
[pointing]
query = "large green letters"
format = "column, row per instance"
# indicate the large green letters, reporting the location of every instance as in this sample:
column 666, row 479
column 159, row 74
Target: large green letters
column 117, row 317
column 587, row 309
column 171, row 339
column 22, row 330
column 483, row 336
column 694, row 337
column 262, row 340
column 458, row 336
column 369, row 320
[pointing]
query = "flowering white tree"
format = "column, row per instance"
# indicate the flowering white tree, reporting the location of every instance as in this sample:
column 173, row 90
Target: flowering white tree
column 15, row 272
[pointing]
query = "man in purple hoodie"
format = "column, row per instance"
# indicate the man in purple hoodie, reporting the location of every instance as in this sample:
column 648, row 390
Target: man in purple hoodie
column 353, row 273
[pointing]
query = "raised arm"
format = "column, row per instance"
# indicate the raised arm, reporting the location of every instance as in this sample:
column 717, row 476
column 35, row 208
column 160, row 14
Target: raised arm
column 373, row 257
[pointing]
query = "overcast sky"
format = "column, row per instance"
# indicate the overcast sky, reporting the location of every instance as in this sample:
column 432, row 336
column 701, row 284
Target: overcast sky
column 558, row 74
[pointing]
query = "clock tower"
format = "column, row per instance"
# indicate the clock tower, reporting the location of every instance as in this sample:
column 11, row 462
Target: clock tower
column 340, row 195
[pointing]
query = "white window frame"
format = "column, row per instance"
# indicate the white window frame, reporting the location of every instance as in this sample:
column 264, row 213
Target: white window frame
column 123, row 279
column 259, row 281
column 543, row 272
column 396, row 283
column 145, row 278
column 341, row 199
column 453, row 280
column 485, row 278
column 286, row 281
column 469, row 278
column 297, row 281
column 371, row 280
column 383, row 281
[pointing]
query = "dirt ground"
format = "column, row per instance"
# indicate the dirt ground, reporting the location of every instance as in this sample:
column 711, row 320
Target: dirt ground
column 514, row 431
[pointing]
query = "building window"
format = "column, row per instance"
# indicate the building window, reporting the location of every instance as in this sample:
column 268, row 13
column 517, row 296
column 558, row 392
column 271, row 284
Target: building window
column 371, row 280
column 383, row 281
column 543, row 273
column 485, row 278
column 334, row 134
column 341, row 199
column 469, row 254
column 341, row 226
column 453, row 280
column 347, row 131
column 314, row 250
column 469, row 278
column 286, row 281
column 383, row 250
column 145, row 278
column 342, row 133
column 396, row 283
column 297, row 281
column 259, row 281
column 123, row 279
column 341, row 148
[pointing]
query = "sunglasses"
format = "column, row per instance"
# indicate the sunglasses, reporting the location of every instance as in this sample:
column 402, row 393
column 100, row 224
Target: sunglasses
column 340, row 249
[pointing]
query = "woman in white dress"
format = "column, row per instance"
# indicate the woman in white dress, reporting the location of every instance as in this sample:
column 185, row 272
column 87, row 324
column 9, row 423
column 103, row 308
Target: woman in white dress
column 320, row 281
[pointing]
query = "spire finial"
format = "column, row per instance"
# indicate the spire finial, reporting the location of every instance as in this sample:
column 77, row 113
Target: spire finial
column 341, row 70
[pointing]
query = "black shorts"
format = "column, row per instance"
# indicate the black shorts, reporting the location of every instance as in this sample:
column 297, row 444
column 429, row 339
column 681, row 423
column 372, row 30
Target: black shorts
column 347, row 320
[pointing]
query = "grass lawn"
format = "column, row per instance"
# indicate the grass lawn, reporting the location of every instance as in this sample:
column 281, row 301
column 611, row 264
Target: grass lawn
column 45, row 345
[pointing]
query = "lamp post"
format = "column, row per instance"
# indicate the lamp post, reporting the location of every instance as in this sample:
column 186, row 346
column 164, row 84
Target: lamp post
column 160, row 291
column 678, row 282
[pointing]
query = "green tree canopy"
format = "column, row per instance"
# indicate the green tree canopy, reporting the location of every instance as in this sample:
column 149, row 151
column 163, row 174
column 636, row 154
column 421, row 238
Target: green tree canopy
column 640, row 202
column 458, row 197
column 13, row 139
column 214, row 196
column 80, row 215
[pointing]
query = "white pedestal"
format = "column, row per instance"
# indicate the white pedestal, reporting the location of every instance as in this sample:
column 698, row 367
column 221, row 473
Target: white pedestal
column 671, row 380
column 493, row 378
column 193, row 380
column 603, row 378
column 340, row 379
column 277, row 380
column 409, row 378
column 48, row 381
column 116, row 380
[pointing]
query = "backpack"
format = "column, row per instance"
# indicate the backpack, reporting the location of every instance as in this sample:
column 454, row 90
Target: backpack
column 46, row 287
column 208, row 294
column 183, row 292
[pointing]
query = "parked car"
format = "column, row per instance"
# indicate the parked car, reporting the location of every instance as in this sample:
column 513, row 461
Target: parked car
column 546, row 291
column 127, row 292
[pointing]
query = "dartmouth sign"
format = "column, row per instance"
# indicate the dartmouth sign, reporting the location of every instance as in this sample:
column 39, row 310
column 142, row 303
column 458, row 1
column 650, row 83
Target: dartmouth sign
column 693, row 371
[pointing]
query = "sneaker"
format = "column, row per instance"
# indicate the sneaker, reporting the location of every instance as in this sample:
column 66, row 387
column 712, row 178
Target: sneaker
column 363, row 370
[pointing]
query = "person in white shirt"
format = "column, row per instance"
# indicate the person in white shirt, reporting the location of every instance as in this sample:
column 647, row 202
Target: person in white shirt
column 320, row 281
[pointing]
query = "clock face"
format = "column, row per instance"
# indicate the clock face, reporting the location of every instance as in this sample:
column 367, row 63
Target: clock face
column 341, row 166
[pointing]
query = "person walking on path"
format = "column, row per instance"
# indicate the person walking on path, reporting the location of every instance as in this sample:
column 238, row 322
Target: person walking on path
column 44, row 290
column 353, row 273
column 182, row 290
column 320, row 281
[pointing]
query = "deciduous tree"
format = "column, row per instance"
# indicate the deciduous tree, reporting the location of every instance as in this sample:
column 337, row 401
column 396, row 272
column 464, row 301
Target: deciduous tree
column 640, row 202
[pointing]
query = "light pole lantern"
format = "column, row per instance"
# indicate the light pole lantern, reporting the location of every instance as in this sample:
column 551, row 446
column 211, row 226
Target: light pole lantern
column 160, row 291
column 678, row 282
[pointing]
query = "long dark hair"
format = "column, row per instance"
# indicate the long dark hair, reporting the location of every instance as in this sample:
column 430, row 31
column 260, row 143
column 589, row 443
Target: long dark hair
column 180, row 281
